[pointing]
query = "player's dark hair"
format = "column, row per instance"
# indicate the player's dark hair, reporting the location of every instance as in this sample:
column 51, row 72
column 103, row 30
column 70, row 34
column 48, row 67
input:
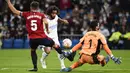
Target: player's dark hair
column 51, row 9
column 93, row 25
column 34, row 5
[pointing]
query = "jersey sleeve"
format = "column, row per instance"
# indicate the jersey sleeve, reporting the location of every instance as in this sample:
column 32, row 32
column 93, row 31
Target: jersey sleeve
column 103, row 39
column 57, row 17
column 24, row 14
column 44, row 16
column 105, row 46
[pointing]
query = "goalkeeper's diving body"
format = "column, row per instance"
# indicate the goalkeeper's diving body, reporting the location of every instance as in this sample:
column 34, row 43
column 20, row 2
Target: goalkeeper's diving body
column 91, row 44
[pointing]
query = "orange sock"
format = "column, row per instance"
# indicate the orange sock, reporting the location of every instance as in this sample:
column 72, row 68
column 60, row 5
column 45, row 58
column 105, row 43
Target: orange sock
column 75, row 65
column 76, row 47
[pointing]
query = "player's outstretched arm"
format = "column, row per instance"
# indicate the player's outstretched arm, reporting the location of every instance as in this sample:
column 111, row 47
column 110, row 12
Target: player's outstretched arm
column 76, row 47
column 63, row 21
column 12, row 8
column 115, row 59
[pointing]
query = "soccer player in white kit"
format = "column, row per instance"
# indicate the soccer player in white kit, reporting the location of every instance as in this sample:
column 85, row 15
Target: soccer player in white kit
column 53, row 20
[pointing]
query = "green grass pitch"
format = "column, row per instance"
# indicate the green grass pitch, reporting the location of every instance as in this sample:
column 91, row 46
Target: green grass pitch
column 19, row 61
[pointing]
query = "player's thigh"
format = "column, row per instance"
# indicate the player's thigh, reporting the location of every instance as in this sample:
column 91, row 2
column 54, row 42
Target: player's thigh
column 100, row 57
column 91, row 59
column 56, row 41
column 33, row 43
column 86, row 59
column 44, row 48
column 47, row 49
column 48, row 42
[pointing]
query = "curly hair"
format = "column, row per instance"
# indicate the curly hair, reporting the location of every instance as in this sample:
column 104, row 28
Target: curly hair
column 51, row 9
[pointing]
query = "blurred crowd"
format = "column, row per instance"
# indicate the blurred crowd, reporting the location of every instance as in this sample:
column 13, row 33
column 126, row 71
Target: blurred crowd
column 113, row 16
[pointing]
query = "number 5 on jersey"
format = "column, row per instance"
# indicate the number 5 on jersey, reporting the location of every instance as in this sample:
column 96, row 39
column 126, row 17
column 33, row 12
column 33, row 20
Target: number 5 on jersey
column 33, row 25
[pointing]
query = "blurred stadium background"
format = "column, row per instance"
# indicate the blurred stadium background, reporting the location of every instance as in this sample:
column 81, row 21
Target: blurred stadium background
column 113, row 16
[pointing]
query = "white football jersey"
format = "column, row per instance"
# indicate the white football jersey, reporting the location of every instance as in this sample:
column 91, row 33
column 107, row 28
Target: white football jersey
column 52, row 25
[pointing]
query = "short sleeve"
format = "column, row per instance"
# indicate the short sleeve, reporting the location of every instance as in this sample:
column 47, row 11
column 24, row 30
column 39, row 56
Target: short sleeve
column 44, row 16
column 56, row 17
column 103, row 39
column 24, row 14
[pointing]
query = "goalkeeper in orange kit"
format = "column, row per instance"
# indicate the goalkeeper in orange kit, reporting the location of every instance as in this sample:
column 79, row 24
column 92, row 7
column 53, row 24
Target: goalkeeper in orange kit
column 91, row 43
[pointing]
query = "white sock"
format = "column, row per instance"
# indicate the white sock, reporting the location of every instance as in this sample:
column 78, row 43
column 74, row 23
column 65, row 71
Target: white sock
column 44, row 55
column 61, row 61
column 43, row 62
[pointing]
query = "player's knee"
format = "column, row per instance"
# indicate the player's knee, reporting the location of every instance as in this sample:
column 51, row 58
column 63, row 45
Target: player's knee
column 47, row 50
column 56, row 46
column 33, row 49
column 100, row 58
column 80, row 62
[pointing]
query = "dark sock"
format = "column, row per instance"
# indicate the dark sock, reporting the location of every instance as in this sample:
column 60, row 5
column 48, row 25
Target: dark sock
column 34, row 58
column 59, row 50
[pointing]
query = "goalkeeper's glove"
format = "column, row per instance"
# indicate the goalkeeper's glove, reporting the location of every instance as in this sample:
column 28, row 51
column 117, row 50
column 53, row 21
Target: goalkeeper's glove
column 116, row 60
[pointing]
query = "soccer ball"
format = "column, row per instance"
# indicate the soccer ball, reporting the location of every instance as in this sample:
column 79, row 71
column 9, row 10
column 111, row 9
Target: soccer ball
column 67, row 43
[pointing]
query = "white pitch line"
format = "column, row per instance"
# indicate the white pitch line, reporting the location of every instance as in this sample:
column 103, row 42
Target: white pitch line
column 108, row 69
column 4, row 68
column 75, row 69
column 94, row 69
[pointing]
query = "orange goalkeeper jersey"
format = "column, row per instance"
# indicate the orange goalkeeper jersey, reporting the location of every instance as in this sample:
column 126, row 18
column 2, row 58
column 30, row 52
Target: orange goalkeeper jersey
column 91, row 43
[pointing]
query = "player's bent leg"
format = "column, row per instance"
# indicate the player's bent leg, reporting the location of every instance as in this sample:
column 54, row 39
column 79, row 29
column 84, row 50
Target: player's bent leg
column 87, row 59
column 59, row 51
column 70, row 56
column 47, row 50
column 57, row 48
column 73, row 66
column 51, row 43
column 43, row 63
column 79, row 63
column 34, row 60
column 103, row 61
column 44, row 55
